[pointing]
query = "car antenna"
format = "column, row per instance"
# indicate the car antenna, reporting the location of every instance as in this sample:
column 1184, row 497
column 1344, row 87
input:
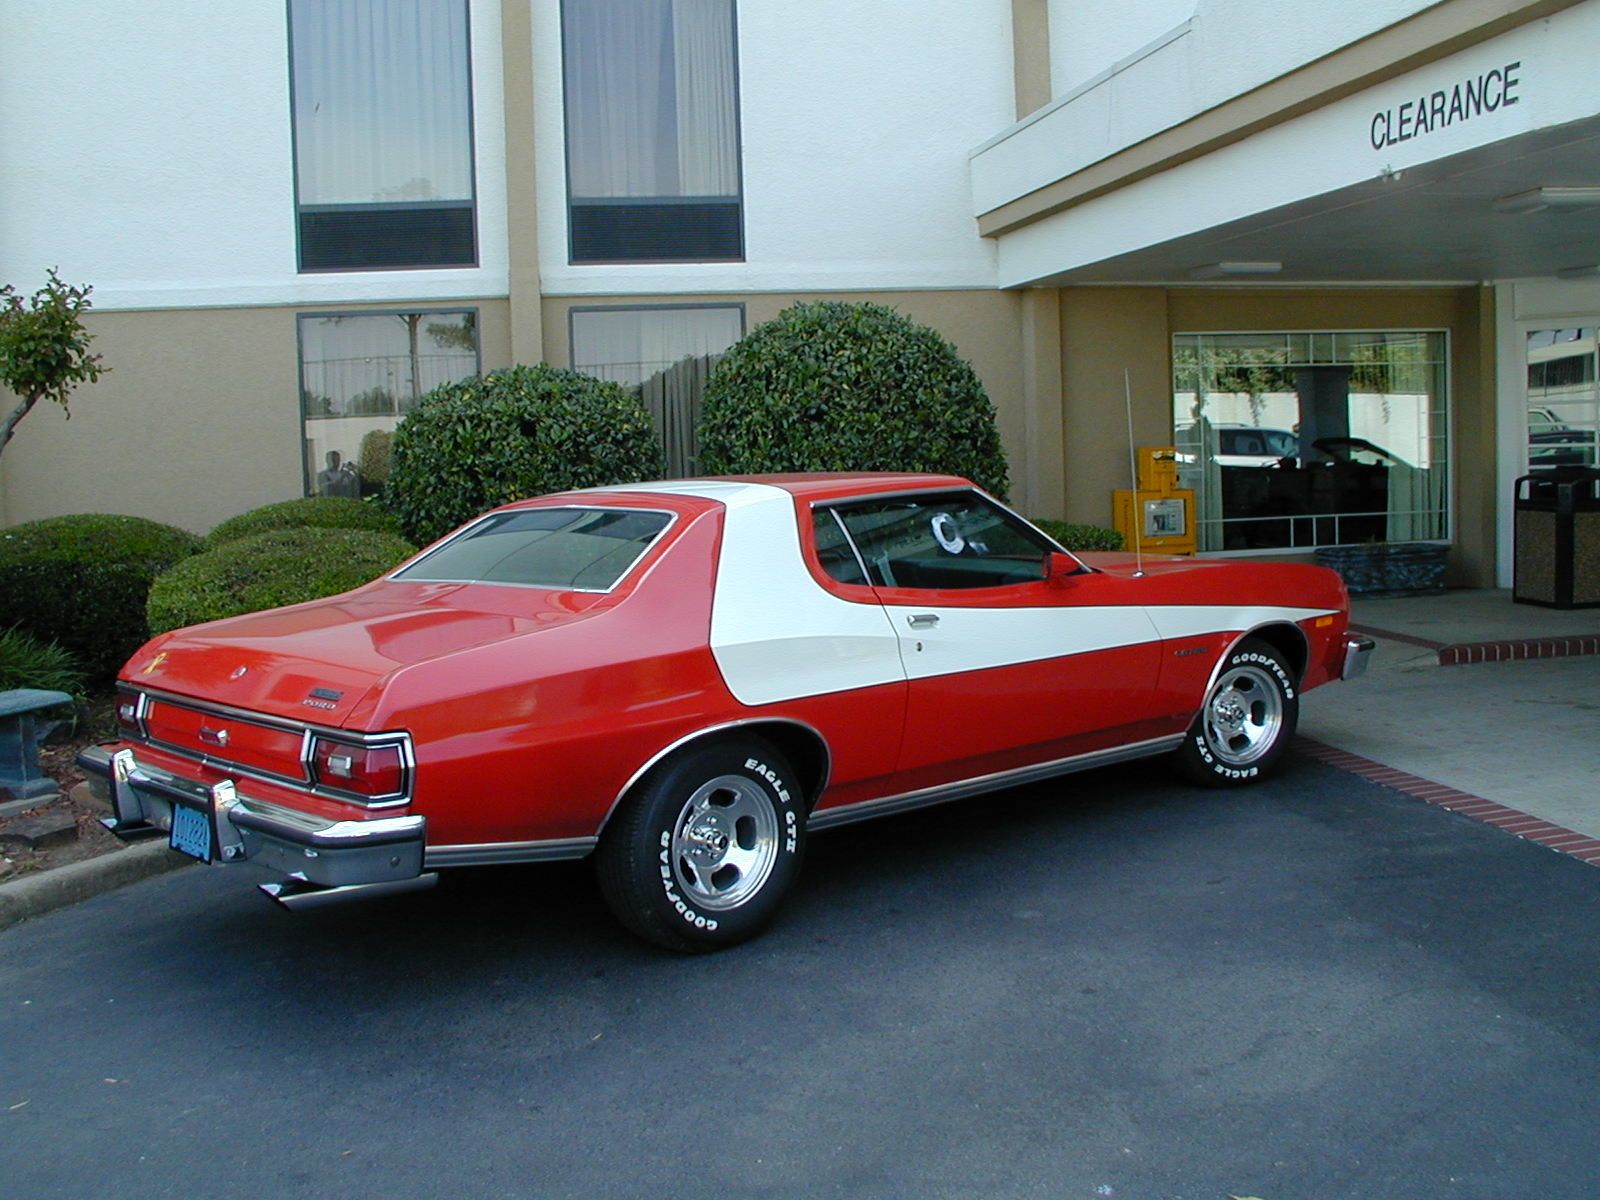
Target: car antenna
column 1133, row 477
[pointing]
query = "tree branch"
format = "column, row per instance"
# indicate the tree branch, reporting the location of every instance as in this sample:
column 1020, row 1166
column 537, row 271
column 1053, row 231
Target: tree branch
column 16, row 415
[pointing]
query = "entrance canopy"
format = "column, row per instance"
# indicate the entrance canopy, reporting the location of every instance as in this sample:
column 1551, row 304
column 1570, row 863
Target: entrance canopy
column 1481, row 165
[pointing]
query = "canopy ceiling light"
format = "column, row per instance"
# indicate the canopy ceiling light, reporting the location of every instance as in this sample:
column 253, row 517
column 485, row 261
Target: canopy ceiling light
column 1235, row 270
column 1539, row 199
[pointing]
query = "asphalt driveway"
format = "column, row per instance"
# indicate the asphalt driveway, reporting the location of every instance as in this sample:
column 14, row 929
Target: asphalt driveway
column 1109, row 985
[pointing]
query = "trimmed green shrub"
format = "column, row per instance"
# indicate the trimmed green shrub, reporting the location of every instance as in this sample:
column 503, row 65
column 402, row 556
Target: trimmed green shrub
column 312, row 512
column 82, row 581
column 377, row 449
column 30, row 662
column 480, row 443
column 1082, row 537
column 266, row 570
column 849, row 387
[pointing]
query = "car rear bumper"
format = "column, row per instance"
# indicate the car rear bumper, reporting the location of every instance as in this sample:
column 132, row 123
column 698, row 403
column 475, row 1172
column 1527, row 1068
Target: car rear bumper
column 305, row 848
column 1357, row 653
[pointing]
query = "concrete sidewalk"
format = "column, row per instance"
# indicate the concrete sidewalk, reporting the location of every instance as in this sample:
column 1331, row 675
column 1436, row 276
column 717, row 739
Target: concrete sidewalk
column 1523, row 732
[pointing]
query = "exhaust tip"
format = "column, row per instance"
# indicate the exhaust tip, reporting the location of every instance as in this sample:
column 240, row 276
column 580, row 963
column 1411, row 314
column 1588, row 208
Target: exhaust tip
column 299, row 894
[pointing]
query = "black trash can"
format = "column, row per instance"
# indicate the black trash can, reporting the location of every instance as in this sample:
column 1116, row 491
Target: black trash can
column 1557, row 552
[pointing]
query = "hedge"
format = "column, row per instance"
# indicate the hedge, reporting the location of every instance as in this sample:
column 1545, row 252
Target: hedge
column 320, row 512
column 266, row 570
column 829, row 386
column 480, row 443
column 82, row 582
column 1081, row 537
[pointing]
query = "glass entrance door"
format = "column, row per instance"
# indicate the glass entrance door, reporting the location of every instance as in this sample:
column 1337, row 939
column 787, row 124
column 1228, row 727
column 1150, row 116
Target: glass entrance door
column 1563, row 398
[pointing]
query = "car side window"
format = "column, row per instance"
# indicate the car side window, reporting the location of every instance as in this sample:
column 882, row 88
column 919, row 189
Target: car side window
column 834, row 551
column 939, row 541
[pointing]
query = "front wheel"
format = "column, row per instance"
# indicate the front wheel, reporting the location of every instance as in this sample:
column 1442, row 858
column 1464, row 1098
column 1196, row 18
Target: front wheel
column 1243, row 729
column 703, row 850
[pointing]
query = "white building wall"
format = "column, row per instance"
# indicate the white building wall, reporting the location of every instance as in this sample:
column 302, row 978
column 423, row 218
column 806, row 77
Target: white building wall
column 1122, row 73
column 145, row 149
column 855, row 120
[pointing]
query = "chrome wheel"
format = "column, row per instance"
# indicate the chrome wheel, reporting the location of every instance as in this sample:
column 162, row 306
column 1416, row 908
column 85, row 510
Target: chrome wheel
column 1245, row 715
column 724, row 843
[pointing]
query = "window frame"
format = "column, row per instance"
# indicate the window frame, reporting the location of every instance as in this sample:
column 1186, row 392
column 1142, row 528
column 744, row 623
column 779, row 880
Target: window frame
column 1446, row 366
column 1012, row 593
column 471, row 202
column 623, row 202
column 300, row 359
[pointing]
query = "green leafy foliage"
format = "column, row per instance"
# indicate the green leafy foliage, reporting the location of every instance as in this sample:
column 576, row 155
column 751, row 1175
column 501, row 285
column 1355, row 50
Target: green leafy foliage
column 1082, row 537
column 82, row 581
column 266, row 570
column 479, row 443
column 30, row 662
column 315, row 512
column 44, row 348
column 849, row 387
column 376, row 457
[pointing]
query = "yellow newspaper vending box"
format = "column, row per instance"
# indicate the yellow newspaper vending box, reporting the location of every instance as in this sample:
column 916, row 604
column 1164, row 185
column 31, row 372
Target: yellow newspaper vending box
column 1164, row 510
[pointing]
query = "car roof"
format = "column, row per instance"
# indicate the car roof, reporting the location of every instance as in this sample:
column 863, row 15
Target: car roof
column 824, row 485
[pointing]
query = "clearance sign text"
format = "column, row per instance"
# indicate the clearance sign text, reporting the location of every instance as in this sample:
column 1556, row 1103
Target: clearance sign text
column 1445, row 107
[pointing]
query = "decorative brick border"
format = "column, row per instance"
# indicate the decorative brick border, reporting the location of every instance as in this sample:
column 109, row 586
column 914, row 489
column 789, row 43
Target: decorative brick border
column 1534, row 829
column 1463, row 653
column 1551, row 647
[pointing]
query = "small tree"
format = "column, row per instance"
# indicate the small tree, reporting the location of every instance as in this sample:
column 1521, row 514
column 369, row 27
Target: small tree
column 44, row 348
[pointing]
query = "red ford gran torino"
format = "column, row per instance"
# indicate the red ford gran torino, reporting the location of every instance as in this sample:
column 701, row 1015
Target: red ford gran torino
column 684, row 679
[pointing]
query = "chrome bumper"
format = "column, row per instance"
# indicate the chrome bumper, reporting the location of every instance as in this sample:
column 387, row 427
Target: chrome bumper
column 1357, row 651
column 314, row 853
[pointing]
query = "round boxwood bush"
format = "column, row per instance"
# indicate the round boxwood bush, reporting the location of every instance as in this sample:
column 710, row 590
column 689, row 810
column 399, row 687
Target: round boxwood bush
column 318, row 512
column 480, row 443
column 266, row 570
column 81, row 581
column 849, row 387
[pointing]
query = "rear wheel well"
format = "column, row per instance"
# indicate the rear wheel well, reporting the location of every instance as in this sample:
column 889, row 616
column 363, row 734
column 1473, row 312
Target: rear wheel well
column 801, row 745
column 1288, row 641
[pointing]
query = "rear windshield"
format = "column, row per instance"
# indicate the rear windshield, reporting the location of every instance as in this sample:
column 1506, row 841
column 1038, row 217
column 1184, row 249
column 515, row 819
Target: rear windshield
column 586, row 549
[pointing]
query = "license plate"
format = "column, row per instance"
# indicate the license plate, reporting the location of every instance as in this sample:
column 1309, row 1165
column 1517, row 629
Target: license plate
column 191, row 832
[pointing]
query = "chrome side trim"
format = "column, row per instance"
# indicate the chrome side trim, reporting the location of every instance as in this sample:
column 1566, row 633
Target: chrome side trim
column 659, row 755
column 960, row 790
column 483, row 854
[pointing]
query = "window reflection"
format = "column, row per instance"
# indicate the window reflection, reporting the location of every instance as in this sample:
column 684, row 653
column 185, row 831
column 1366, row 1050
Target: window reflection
column 1296, row 440
column 359, row 374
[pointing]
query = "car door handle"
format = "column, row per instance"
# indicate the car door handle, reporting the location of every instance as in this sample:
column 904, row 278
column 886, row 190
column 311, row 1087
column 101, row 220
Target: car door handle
column 922, row 620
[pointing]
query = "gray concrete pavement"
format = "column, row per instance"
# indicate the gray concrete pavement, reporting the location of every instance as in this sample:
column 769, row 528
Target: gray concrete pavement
column 1525, row 734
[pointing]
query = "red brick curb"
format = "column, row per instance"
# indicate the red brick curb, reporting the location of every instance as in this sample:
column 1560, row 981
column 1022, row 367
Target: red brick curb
column 1524, row 825
column 1550, row 647
column 1463, row 653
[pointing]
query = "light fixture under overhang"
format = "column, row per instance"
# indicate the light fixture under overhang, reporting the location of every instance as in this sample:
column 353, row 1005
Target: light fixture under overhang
column 1541, row 198
column 1235, row 270
column 1588, row 272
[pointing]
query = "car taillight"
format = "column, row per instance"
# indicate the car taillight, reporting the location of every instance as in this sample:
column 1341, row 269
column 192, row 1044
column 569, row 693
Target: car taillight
column 130, row 714
column 377, row 771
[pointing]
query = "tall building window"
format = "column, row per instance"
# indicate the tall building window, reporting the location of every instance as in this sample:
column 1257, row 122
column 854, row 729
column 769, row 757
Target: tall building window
column 665, row 354
column 382, row 97
column 359, row 374
column 1296, row 440
column 652, row 113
